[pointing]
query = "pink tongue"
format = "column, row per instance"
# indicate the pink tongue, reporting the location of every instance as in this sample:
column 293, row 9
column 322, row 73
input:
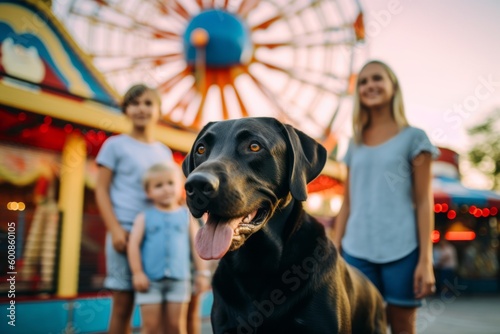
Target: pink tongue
column 214, row 238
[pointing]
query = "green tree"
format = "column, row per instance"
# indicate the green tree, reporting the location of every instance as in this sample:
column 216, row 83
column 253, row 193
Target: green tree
column 485, row 154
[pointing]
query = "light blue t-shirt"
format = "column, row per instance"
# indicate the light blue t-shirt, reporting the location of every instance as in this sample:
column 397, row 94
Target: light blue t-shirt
column 165, row 249
column 129, row 159
column 382, row 221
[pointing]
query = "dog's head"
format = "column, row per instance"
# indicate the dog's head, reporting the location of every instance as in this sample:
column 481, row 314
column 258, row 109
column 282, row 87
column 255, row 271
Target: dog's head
column 238, row 171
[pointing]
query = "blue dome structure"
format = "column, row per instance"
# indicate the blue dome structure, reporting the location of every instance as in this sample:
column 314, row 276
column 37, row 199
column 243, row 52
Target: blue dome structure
column 229, row 39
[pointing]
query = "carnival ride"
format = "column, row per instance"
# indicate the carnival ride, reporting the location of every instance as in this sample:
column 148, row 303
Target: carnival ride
column 220, row 59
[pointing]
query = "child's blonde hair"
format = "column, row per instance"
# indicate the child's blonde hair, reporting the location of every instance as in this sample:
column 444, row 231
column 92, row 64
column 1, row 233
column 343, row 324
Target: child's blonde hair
column 361, row 117
column 161, row 167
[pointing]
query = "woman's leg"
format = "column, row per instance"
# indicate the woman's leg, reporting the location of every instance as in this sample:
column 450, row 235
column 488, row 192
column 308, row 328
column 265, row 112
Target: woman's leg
column 193, row 316
column 121, row 312
column 151, row 318
column 401, row 303
column 175, row 318
column 401, row 319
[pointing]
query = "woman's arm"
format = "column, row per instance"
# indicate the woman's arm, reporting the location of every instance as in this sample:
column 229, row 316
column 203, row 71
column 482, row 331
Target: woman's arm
column 118, row 234
column 139, row 279
column 343, row 215
column 202, row 273
column 424, row 277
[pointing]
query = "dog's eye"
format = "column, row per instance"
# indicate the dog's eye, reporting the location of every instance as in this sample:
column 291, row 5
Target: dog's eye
column 200, row 149
column 254, row 147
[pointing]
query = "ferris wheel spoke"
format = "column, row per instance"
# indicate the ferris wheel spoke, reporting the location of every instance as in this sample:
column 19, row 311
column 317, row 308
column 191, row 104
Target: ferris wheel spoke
column 172, row 81
column 199, row 113
column 243, row 108
column 233, row 74
column 116, row 70
column 267, row 23
column 156, row 59
column 184, row 101
column 298, row 7
column 303, row 42
column 180, row 10
column 117, row 10
column 292, row 74
column 246, row 6
column 274, row 45
column 203, row 91
column 147, row 32
column 222, row 77
column 272, row 98
column 166, row 10
column 200, row 4
column 159, row 59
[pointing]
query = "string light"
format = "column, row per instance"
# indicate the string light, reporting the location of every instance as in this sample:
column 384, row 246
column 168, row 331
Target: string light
column 435, row 236
column 472, row 210
column 16, row 206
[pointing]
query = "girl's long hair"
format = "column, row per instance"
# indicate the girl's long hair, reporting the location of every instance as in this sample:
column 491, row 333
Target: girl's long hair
column 361, row 115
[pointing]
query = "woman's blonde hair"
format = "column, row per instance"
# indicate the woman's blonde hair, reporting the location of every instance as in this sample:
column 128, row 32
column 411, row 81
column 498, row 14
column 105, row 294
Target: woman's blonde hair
column 361, row 116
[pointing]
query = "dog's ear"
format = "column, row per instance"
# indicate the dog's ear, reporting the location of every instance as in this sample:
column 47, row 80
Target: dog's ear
column 188, row 163
column 306, row 160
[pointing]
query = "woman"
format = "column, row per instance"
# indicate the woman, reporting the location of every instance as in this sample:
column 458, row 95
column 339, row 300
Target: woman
column 385, row 223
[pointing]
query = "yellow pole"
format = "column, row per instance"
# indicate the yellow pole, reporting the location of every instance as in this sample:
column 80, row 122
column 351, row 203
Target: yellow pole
column 71, row 204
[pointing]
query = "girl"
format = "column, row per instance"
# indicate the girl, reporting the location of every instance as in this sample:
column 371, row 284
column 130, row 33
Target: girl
column 122, row 161
column 160, row 246
column 385, row 223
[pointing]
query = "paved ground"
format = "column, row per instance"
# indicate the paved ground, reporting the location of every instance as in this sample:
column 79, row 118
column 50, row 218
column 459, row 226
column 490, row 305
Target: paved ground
column 460, row 315
column 451, row 315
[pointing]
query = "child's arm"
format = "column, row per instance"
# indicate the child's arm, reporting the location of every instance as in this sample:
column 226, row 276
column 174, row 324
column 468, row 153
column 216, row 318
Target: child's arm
column 139, row 278
column 202, row 275
column 118, row 234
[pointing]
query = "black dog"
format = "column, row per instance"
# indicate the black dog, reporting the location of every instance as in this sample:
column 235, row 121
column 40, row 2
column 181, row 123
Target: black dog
column 278, row 272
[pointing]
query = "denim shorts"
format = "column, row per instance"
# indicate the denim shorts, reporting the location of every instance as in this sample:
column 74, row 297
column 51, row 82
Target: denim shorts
column 165, row 290
column 394, row 279
column 118, row 274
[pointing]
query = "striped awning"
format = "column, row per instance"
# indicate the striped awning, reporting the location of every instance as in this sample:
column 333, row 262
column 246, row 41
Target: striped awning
column 452, row 192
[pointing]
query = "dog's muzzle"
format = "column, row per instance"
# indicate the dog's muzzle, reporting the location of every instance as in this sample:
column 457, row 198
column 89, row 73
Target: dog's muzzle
column 203, row 184
column 201, row 187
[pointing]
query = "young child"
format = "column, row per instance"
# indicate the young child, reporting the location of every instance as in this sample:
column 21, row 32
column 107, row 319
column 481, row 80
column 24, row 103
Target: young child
column 159, row 250
column 123, row 160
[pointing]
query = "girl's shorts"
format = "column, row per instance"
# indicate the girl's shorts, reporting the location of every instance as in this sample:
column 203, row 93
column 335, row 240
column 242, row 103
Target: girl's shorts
column 118, row 274
column 394, row 279
column 165, row 290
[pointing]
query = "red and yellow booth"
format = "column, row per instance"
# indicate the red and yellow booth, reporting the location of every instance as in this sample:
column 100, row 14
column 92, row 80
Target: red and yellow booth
column 468, row 219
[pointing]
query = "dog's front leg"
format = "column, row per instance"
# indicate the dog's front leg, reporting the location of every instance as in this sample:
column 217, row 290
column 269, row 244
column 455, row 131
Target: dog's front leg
column 225, row 321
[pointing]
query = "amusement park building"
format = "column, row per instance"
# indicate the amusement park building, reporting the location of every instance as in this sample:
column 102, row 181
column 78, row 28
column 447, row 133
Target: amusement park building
column 56, row 110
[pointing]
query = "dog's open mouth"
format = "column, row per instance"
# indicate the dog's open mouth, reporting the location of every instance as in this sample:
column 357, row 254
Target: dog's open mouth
column 219, row 235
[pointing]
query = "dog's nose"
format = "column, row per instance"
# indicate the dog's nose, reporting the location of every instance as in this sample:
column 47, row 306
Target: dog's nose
column 202, row 184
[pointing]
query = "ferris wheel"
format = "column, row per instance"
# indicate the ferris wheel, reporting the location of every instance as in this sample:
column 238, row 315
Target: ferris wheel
column 220, row 59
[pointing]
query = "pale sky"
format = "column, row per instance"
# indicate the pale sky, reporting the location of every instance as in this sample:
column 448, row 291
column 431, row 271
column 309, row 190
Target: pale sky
column 446, row 55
